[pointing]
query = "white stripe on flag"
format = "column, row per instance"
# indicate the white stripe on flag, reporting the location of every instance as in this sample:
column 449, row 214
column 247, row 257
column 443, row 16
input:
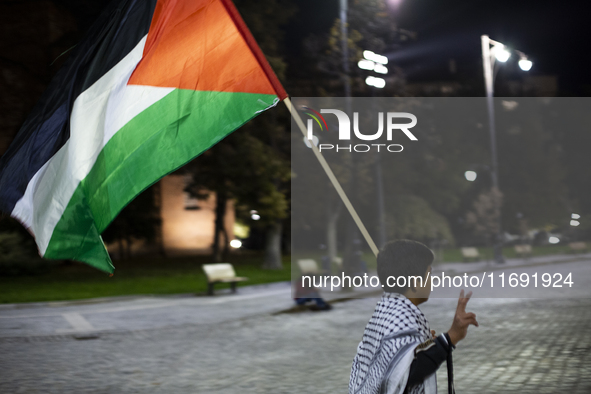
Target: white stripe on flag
column 98, row 113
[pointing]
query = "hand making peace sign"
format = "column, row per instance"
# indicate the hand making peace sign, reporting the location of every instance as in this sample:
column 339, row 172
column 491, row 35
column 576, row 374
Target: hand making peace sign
column 462, row 319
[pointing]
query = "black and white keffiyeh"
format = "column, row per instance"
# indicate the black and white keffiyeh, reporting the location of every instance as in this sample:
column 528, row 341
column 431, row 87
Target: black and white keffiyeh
column 385, row 353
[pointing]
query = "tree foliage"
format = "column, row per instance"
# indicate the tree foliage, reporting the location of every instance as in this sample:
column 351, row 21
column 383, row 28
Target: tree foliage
column 18, row 252
column 138, row 221
column 370, row 27
column 483, row 219
column 251, row 166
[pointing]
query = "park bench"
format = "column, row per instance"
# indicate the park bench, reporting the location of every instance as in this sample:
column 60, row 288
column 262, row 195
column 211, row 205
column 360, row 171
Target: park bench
column 339, row 262
column 523, row 250
column 308, row 267
column 221, row 273
column 470, row 253
column 577, row 247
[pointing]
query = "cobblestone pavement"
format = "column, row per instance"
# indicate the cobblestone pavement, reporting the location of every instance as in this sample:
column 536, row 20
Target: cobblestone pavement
column 522, row 345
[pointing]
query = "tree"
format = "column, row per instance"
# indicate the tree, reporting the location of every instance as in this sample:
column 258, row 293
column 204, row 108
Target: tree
column 252, row 165
column 243, row 168
column 532, row 172
column 411, row 216
column 138, row 221
column 34, row 34
column 18, row 252
column 485, row 214
column 370, row 28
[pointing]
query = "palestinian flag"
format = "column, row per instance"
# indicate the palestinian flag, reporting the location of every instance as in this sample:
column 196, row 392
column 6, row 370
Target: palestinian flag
column 153, row 84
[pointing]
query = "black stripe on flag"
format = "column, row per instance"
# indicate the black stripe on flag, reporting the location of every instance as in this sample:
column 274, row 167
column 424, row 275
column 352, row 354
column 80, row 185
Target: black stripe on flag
column 117, row 31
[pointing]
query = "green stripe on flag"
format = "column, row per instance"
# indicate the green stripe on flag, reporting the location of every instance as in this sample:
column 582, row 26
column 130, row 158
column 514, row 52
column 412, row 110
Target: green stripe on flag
column 164, row 137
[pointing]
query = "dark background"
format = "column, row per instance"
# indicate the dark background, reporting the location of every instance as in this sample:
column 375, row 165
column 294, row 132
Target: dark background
column 555, row 35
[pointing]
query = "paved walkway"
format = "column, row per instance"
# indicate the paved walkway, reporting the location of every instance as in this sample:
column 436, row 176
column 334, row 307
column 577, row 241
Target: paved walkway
column 120, row 314
column 236, row 344
column 479, row 266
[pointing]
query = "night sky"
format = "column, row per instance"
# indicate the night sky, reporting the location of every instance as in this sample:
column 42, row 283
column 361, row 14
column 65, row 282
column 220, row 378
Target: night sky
column 555, row 35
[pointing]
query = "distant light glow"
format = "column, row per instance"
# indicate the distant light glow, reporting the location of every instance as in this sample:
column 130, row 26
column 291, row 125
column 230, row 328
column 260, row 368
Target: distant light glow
column 501, row 53
column 525, row 64
column 575, row 216
column 235, row 243
column 509, row 105
column 553, row 240
column 574, row 223
column 470, row 176
column 379, row 68
column 374, row 57
column 365, row 64
column 394, row 3
column 376, row 82
column 255, row 216
column 314, row 141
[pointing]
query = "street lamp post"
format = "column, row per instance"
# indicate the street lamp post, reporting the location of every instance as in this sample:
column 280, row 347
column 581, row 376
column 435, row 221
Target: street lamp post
column 345, row 47
column 377, row 63
column 354, row 258
column 500, row 53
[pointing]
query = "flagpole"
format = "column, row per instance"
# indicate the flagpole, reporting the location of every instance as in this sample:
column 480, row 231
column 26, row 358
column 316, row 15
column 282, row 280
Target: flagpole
column 333, row 179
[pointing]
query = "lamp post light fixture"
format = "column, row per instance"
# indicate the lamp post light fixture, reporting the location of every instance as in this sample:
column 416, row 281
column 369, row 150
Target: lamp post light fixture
column 254, row 215
column 365, row 64
column 524, row 63
column 315, row 141
column 374, row 57
column 377, row 63
column 380, row 69
column 553, row 240
column 493, row 50
column 501, row 53
column 470, row 176
column 375, row 82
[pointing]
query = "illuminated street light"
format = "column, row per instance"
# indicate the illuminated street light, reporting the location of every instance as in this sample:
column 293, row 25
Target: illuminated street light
column 553, row 240
column 314, row 141
column 376, row 63
column 375, row 82
column 374, row 57
column 235, row 243
column 254, row 215
column 525, row 64
column 575, row 216
column 381, row 69
column 500, row 53
column 470, row 176
column 574, row 223
column 365, row 64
